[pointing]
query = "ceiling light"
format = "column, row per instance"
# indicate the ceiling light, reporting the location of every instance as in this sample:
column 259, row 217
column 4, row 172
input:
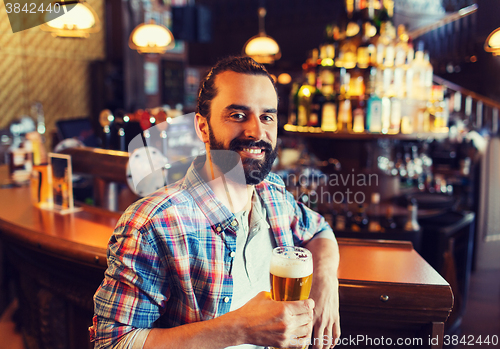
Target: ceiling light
column 262, row 48
column 78, row 20
column 492, row 43
column 151, row 38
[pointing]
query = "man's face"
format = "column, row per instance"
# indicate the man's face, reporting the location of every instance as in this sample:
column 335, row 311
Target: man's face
column 243, row 118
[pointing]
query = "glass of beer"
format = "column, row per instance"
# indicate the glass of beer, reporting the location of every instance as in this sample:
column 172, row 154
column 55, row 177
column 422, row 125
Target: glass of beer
column 291, row 275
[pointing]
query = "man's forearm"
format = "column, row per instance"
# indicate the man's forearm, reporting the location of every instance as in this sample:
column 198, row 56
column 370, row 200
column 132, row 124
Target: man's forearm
column 325, row 291
column 217, row 333
column 325, row 257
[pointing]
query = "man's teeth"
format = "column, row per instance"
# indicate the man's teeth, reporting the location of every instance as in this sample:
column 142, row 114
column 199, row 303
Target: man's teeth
column 252, row 151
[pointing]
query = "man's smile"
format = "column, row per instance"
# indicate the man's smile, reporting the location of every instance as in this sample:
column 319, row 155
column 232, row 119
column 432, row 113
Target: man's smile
column 253, row 152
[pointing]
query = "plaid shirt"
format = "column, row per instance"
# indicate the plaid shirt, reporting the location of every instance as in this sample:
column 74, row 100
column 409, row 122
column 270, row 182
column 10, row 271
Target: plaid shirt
column 170, row 261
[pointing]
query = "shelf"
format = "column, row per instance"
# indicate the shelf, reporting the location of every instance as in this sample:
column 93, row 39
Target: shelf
column 318, row 133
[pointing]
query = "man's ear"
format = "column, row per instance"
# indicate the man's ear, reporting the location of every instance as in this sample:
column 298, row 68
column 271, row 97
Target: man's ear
column 201, row 127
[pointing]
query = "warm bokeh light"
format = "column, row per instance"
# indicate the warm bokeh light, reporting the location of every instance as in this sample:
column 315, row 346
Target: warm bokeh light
column 284, row 79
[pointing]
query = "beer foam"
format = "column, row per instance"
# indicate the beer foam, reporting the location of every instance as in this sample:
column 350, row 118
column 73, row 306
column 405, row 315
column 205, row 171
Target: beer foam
column 291, row 267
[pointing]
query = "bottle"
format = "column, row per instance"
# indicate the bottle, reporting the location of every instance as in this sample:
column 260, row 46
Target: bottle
column 374, row 104
column 358, row 115
column 412, row 222
column 20, row 159
column 360, row 220
column 428, row 72
column 317, row 102
column 437, row 109
column 329, row 112
column 293, row 104
column 395, row 116
column 385, row 114
column 344, row 218
column 389, row 223
column 374, row 225
column 344, row 104
column 418, row 69
column 366, row 49
column 304, row 104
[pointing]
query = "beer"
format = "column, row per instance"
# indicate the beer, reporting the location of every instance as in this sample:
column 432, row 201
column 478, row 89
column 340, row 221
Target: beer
column 291, row 273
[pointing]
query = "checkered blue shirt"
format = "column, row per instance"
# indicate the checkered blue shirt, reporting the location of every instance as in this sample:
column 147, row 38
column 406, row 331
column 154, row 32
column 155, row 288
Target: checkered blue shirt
column 169, row 258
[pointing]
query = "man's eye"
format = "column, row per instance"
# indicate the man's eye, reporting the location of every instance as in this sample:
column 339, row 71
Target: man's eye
column 268, row 117
column 238, row 116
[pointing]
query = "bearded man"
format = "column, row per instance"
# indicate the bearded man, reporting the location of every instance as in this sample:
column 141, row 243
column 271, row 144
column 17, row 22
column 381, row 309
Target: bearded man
column 188, row 266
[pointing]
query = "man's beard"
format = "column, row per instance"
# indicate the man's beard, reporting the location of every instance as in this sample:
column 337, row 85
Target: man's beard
column 255, row 170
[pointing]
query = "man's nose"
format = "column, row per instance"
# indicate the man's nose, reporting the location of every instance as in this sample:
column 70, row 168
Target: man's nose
column 254, row 128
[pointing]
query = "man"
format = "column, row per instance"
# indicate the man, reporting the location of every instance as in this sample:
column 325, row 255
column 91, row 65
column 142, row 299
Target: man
column 188, row 267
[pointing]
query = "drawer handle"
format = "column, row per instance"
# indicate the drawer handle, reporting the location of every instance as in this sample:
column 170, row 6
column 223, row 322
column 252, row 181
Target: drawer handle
column 384, row 298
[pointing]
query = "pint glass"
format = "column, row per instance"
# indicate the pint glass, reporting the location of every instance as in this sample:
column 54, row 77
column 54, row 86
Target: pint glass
column 291, row 275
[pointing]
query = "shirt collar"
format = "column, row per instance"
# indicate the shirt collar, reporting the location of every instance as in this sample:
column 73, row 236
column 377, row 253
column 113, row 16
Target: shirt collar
column 219, row 216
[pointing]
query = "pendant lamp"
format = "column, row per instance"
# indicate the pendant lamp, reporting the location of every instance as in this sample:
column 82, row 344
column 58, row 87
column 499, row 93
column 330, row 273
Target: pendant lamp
column 77, row 21
column 262, row 48
column 151, row 37
column 492, row 43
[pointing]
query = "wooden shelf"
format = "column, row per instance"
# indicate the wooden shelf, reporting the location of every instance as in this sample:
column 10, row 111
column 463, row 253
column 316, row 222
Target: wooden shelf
column 368, row 136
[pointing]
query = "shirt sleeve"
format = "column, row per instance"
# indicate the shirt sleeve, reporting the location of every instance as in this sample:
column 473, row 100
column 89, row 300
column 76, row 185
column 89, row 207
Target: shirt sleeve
column 307, row 224
column 135, row 339
column 134, row 289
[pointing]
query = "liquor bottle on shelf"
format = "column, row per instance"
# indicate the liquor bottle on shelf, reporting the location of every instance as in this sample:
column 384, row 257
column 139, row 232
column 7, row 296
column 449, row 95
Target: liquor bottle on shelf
column 344, row 218
column 374, row 106
column 437, row 110
column 304, row 101
column 360, row 220
column 412, row 222
column 344, row 104
column 329, row 112
column 385, row 114
column 317, row 102
column 293, row 104
column 358, row 115
column 395, row 118
column 428, row 71
column 418, row 67
column 389, row 224
column 366, row 50
column 374, row 225
column 325, row 68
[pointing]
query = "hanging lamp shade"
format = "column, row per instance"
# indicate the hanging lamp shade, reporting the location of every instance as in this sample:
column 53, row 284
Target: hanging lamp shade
column 151, row 38
column 261, row 47
column 492, row 43
column 78, row 21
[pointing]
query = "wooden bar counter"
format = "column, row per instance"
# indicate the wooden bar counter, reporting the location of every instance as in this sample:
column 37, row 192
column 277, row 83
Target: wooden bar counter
column 387, row 291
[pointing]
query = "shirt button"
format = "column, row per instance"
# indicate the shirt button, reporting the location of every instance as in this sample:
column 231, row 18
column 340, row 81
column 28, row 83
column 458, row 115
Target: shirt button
column 234, row 223
column 232, row 254
column 226, row 299
column 219, row 229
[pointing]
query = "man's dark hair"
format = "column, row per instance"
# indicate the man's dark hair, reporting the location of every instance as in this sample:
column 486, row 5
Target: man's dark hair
column 207, row 90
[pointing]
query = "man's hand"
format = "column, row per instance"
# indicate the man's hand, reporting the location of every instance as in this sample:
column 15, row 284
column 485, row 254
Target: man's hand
column 325, row 292
column 267, row 322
